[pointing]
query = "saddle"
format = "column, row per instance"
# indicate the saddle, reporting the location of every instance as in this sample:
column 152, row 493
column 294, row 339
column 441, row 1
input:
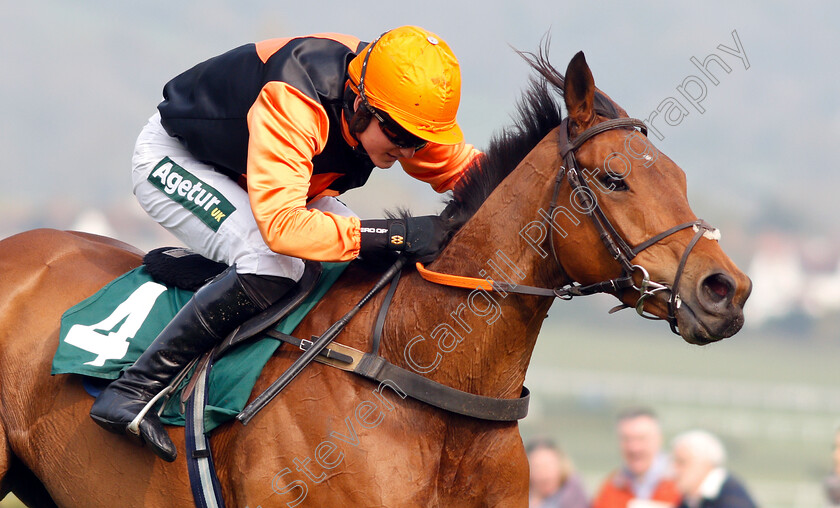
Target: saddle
column 103, row 335
column 188, row 270
column 185, row 269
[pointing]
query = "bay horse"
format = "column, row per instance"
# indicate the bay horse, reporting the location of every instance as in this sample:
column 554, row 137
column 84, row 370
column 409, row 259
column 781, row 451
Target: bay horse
column 332, row 439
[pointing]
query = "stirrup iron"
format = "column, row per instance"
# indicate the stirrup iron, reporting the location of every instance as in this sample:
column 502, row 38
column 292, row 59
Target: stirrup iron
column 166, row 393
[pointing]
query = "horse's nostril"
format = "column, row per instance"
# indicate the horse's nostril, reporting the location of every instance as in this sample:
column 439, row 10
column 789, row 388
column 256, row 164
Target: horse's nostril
column 718, row 287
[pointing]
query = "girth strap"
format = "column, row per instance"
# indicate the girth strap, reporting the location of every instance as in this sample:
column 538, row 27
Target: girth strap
column 204, row 483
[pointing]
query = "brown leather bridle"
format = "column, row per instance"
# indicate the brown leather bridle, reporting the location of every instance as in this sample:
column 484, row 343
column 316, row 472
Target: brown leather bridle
column 618, row 248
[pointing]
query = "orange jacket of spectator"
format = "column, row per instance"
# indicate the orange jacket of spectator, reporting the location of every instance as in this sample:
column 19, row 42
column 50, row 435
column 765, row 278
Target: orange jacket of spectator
column 617, row 491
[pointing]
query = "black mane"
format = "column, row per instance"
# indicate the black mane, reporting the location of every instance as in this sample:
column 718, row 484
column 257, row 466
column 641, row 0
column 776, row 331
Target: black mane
column 538, row 111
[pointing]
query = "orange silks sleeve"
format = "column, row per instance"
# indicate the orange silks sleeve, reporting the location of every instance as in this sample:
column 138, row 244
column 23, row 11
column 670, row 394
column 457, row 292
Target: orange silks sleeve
column 287, row 129
column 440, row 165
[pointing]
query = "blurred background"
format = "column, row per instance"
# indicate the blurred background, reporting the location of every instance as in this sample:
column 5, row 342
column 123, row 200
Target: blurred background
column 79, row 80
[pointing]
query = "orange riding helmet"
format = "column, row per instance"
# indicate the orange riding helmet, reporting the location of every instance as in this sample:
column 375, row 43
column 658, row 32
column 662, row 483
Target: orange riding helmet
column 412, row 75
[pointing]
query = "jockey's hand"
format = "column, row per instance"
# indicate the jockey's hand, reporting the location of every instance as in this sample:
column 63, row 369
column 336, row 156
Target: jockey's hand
column 421, row 238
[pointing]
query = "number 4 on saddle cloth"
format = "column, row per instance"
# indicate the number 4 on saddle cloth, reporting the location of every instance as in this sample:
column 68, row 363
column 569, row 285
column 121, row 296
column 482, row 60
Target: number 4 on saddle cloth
column 104, row 334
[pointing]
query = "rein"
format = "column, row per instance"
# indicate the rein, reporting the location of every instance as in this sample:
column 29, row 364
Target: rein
column 615, row 244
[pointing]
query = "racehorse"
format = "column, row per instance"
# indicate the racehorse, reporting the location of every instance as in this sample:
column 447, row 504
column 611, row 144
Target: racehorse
column 522, row 214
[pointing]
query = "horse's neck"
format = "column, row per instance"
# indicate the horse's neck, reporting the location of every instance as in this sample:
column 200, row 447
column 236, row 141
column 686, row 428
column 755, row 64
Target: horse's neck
column 498, row 331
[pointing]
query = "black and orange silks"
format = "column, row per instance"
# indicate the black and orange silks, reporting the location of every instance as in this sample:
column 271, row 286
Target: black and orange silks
column 273, row 112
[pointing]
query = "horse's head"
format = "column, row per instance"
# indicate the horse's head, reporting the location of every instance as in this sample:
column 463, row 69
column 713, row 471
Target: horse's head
column 642, row 194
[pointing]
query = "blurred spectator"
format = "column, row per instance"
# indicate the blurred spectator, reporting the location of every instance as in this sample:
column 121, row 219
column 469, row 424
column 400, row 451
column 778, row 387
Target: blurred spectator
column 698, row 460
column 644, row 479
column 553, row 481
column 832, row 481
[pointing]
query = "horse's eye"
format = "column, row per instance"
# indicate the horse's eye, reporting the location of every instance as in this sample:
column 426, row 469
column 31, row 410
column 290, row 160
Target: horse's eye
column 614, row 182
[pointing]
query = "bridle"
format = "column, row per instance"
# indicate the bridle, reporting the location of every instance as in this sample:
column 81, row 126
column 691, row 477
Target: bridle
column 618, row 248
column 615, row 244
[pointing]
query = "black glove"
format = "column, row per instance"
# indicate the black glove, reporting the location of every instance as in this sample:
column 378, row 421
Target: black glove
column 421, row 238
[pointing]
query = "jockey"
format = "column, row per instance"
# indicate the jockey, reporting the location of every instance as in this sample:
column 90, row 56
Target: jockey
column 243, row 163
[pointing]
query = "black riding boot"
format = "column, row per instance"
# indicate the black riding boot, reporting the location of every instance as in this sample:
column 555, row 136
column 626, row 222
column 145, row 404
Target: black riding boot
column 213, row 312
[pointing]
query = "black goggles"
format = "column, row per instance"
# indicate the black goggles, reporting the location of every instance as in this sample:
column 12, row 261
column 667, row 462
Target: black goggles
column 395, row 133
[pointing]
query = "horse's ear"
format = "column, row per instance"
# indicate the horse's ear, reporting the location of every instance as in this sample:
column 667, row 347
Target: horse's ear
column 580, row 94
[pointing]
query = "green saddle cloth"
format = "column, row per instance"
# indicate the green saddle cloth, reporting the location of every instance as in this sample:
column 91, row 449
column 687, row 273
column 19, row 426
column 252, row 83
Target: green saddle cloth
column 104, row 334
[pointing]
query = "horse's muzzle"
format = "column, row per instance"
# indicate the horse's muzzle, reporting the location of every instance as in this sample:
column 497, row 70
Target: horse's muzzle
column 715, row 309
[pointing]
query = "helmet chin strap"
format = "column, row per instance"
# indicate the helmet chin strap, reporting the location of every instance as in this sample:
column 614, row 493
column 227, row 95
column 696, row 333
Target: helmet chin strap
column 361, row 86
column 352, row 102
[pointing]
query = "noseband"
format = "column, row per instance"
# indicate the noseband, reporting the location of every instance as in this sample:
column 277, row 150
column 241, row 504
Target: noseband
column 618, row 248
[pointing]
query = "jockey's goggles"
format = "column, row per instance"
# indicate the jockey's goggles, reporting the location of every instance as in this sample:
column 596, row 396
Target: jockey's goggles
column 396, row 134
